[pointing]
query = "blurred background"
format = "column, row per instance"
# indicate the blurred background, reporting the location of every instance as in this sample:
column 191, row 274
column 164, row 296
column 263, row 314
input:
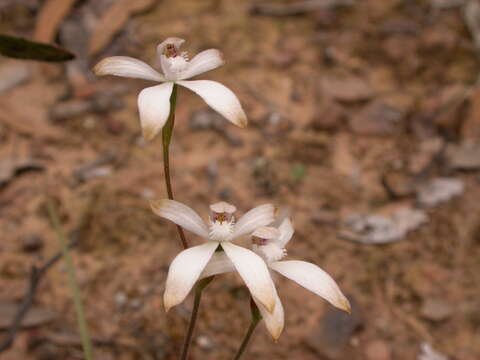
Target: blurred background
column 364, row 127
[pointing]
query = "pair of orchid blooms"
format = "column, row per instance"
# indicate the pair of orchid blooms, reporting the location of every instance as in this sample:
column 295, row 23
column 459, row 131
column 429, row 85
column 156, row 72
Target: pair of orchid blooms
column 218, row 254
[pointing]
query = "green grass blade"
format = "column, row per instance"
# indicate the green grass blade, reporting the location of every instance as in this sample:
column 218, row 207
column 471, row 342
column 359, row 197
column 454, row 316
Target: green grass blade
column 72, row 282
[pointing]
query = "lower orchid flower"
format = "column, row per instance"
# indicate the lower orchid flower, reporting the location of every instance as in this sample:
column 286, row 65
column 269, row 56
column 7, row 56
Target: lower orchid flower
column 269, row 243
column 188, row 265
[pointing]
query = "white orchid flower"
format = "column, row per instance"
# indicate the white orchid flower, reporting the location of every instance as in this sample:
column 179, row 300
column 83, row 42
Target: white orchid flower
column 154, row 102
column 188, row 266
column 269, row 243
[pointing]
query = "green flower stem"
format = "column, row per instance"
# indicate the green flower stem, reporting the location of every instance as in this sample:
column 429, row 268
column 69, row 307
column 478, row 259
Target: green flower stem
column 166, row 138
column 73, row 284
column 201, row 285
column 256, row 318
column 167, row 132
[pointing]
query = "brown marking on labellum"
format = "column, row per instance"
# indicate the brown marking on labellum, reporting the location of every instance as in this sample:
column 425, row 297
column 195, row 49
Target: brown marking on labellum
column 171, row 51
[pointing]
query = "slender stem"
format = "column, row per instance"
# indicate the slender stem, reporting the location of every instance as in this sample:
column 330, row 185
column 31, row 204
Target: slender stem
column 256, row 318
column 201, row 285
column 191, row 325
column 246, row 339
column 166, row 138
column 72, row 282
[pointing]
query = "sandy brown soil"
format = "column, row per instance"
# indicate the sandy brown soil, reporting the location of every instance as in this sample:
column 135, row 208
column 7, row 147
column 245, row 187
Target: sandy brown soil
column 351, row 110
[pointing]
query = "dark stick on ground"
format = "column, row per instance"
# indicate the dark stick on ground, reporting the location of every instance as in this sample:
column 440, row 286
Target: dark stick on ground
column 37, row 274
column 297, row 8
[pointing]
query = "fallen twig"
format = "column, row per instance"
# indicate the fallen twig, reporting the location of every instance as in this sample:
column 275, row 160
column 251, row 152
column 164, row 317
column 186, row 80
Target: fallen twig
column 471, row 16
column 297, row 8
column 446, row 4
column 37, row 273
column 65, row 339
column 84, row 172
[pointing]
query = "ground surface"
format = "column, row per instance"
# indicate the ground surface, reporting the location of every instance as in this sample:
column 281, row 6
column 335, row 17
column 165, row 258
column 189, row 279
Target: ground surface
column 353, row 110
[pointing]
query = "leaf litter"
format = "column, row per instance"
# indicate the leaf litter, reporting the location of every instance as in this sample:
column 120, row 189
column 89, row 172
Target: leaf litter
column 337, row 62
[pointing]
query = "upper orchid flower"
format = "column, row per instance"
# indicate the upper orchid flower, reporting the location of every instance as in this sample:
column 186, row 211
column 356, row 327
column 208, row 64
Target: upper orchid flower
column 269, row 243
column 154, row 102
column 188, row 266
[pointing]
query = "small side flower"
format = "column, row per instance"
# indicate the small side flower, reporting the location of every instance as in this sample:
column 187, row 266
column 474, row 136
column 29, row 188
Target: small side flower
column 269, row 243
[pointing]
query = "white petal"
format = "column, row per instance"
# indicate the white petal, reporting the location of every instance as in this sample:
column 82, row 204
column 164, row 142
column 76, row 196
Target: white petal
column 273, row 321
column 154, row 108
column 223, row 207
column 313, row 278
column 286, row 232
column 257, row 217
column 219, row 98
column 184, row 272
column 204, row 61
column 181, row 215
column 254, row 273
column 266, row 232
column 218, row 264
column 127, row 67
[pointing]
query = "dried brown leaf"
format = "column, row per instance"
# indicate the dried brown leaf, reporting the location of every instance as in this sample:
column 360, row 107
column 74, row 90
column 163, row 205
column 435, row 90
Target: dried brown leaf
column 11, row 167
column 347, row 88
column 50, row 17
column 35, row 316
column 471, row 15
column 113, row 21
column 470, row 129
column 28, row 126
column 377, row 119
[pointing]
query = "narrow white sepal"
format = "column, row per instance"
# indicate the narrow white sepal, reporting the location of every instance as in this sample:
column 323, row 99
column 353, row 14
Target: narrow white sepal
column 202, row 62
column 184, row 271
column 127, row 67
column 254, row 273
column 218, row 264
column 275, row 321
column 257, row 217
column 219, row 98
column 286, row 232
column 313, row 278
column 181, row 215
column 154, row 108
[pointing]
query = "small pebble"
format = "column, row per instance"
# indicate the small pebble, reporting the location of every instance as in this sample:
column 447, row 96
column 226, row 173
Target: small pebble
column 147, row 193
column 439, row 190
column 378, row 350
column 436, row 309
column 136, row 303
column 121, row 299
column 13, row 74
column 204, row 342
